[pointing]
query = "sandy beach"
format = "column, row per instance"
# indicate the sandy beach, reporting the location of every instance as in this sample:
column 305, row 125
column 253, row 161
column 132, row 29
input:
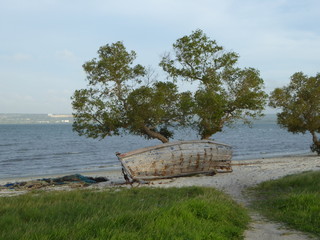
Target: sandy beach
column 246, row 173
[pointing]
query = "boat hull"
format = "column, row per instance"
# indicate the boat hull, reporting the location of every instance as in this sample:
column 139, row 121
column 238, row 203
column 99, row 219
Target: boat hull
column 177, row 159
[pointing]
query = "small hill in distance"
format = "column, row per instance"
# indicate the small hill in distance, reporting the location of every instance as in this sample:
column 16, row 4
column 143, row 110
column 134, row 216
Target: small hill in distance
column 20, row 118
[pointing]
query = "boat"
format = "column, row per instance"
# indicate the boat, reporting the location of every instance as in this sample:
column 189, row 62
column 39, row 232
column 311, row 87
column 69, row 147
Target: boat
column 176, row 159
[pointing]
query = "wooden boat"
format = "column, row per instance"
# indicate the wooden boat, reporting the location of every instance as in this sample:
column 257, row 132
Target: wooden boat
column 176, row 159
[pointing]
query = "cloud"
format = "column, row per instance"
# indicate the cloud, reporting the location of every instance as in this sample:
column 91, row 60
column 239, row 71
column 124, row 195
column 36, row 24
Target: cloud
column 13, row 102
column 45, row 42
column 66, row 54
column 35, row 102
column 16, row 57
column 21, row 57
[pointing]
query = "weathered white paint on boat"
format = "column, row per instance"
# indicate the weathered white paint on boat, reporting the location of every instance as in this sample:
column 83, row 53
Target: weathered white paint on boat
column 177, row 159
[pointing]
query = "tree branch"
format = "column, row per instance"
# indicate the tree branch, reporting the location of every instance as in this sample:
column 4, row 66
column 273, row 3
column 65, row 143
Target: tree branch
column 154, row 134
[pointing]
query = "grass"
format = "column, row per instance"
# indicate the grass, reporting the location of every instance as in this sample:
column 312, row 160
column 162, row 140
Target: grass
column 141, row 213
column 294, row 200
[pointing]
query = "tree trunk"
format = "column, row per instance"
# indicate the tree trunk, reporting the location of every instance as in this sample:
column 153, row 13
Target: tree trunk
column 315, row 139
column 155, row 135
column 206, row 137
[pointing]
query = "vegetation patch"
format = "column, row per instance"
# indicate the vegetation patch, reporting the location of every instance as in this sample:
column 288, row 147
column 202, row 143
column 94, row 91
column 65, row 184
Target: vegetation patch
column 294, row 200
column 142, row 213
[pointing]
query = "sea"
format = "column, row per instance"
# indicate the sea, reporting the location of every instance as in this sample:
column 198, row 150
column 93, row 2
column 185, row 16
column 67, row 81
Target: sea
column 45, row 149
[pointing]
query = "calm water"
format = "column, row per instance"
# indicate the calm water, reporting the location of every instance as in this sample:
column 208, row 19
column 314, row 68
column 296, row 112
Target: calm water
column 27, row 150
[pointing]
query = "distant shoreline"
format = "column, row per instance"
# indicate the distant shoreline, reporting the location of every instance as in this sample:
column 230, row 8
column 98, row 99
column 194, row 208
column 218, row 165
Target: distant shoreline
column 41, row 118
column 20, row 118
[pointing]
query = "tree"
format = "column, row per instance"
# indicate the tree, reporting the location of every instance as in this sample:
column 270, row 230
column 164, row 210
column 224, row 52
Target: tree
column 115, row 101
column 155, row 111
column 225, row 93
column 300, row 105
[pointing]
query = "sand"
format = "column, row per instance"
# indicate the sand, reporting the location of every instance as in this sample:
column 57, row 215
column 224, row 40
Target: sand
column 246, row 173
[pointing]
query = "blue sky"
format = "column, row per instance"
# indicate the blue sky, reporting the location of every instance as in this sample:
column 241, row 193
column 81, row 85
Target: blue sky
column 45, row 42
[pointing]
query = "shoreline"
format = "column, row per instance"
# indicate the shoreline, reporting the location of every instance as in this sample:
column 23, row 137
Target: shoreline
column 114, row 174
column 106, row 169
column 109, row 173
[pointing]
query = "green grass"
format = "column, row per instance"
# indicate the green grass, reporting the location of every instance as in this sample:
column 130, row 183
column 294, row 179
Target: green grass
column 140, row 213
column 294, row 200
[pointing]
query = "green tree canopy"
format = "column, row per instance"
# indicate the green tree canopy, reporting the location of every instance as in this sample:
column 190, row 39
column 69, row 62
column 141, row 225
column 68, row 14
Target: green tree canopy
column 100, row 108
column 153, row 110
column 115, row 101
column 300, row 106
column 226, row 93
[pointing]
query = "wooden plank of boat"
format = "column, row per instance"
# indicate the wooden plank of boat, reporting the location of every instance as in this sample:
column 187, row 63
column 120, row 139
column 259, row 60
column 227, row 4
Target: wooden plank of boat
column 176, row 159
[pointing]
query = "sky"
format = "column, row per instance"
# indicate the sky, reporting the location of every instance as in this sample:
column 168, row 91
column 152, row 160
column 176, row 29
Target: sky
column 43, row 43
